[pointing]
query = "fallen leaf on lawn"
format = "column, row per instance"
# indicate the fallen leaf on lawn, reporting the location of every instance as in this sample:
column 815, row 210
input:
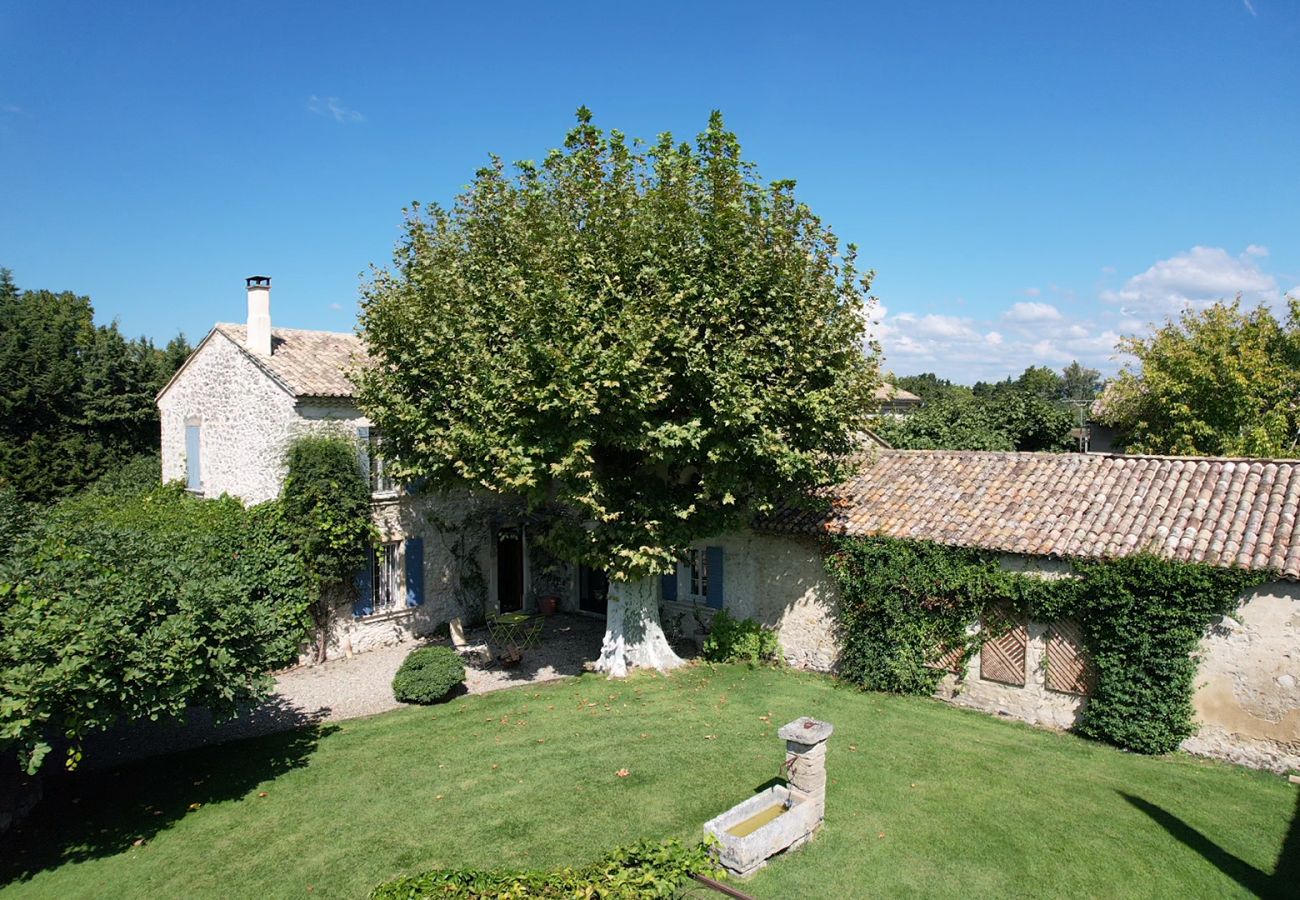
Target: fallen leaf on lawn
column 643, row 736
column 710, row 737
column 882, row 834
column 913, row 784
column 438, row 797
column 853, row 747
column 261, row 793
column 138, row 842
column 622, row 773
column 543, row 741
column 195, row 805
column 496, row 766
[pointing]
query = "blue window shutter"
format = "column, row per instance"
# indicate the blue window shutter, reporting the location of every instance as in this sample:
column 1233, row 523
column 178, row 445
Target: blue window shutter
column 193, row 472
column 363, row 438
column 364, row 605
column 669, row 583
column 415, row 571
column 713, row 556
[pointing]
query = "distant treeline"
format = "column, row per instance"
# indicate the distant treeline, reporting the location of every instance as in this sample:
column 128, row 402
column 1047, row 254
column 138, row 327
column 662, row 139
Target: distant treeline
column 77, row 399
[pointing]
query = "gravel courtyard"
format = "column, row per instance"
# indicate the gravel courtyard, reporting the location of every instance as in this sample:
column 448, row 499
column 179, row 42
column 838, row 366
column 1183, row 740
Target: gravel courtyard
column 349, row 688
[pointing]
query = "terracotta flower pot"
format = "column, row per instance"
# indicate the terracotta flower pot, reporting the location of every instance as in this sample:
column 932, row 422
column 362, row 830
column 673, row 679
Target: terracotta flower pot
column 548, row 605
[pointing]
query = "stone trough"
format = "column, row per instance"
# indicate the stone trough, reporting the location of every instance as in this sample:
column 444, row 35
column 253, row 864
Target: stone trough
column 784, row 816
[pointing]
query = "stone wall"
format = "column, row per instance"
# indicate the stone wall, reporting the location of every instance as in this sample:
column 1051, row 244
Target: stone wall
column 1248, row 686
column 1247, row 697
column 456, row 528
column 244, row 419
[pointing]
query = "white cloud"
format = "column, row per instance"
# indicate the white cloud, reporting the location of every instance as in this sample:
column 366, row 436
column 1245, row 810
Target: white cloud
column 1196, row 279
column 333, row 107
column 974, row 348
column 1032, row 312
column 336, row 306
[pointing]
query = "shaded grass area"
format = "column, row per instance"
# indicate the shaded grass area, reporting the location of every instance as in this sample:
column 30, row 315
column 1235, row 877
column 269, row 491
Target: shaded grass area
column 923, row 798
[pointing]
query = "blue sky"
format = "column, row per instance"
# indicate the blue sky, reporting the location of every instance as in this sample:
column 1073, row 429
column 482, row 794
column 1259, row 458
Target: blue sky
column 1029, row 180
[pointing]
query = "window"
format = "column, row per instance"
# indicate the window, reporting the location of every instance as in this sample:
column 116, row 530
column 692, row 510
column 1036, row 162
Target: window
column 380, row 481
column 698, row 560
column 385, row 575
column 193, row 471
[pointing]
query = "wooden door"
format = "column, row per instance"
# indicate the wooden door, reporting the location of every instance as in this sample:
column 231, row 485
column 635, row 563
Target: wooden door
column 510, row 569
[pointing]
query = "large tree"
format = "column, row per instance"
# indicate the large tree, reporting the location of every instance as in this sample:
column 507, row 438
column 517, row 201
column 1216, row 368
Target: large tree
column 648, row 347
column 77, row 399
column 1221, row 381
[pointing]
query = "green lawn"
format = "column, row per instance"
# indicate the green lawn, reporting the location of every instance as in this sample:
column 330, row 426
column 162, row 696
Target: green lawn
column 924, row 799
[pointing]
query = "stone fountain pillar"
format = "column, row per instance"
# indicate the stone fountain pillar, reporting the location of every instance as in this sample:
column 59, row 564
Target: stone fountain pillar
column 805, row 760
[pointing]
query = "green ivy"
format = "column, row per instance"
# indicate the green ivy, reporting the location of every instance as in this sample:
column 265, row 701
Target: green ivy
column 641, row 870
column 904, row 603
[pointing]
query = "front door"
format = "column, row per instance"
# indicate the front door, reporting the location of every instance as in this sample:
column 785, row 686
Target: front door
column 510, row 569
column 593, row 590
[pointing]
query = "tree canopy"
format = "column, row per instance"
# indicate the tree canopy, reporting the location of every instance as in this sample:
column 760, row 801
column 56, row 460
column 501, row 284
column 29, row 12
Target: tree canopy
column 1222, row 381
column 651, row 344
column 1024, row 413
column 77, row 399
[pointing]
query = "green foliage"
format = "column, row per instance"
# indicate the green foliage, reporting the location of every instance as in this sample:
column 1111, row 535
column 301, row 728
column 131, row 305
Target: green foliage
column 1220, row 382
column 654, row 345
column 904, row 603
column 642, row 870
column 1080, row 384
column 930, row 387
column 136, row 605
column 428, row 674
column 1022, row 414
column 739, row 640
column 77, row 400
column 326, row 501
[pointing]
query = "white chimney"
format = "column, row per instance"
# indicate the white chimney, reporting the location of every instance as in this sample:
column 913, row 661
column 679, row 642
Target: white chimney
column 259, row 314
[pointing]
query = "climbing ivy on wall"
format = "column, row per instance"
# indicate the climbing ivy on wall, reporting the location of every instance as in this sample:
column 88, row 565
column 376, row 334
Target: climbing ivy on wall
column 904, row 603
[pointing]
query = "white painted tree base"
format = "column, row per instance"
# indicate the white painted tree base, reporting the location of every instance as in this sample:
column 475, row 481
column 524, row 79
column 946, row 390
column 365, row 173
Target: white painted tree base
column 634, row 638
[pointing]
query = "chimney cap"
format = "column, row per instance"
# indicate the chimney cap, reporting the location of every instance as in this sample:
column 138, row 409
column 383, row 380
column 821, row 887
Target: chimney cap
column 253, row 281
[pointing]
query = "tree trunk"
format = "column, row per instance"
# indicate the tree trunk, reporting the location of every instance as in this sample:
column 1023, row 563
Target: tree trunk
column 633, row 636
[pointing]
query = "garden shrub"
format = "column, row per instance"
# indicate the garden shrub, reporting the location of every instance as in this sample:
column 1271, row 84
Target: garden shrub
column 642, row 870
column 137, row 605
column 903, row 603
column 739, row 640
column 428, row 674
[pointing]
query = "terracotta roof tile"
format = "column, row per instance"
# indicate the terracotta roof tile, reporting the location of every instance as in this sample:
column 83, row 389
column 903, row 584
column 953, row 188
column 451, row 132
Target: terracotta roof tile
column 1225, row 512
column 306, row 363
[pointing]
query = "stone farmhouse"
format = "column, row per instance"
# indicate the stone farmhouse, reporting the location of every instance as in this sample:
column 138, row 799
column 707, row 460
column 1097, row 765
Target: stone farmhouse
column 228, row 413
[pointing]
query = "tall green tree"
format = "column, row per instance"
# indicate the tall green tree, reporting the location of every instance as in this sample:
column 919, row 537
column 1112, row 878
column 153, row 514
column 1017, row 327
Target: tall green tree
column 77, row 399
column 650, row 346
column 1081, row 385
column 1221, row 381
column 326, row 503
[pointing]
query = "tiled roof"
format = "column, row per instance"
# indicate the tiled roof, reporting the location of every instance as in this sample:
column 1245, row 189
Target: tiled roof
column 1228, row 512
column 886, row 392
column 306, row 363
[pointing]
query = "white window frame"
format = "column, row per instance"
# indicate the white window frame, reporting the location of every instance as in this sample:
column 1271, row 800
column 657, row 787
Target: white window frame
column 697, row 575
column 386, row 578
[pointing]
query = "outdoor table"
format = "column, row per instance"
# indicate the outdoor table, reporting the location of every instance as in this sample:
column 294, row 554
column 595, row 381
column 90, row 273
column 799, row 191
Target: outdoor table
column 518, row 629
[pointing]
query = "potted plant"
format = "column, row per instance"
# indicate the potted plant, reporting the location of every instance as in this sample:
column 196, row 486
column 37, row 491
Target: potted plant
column 550, row 580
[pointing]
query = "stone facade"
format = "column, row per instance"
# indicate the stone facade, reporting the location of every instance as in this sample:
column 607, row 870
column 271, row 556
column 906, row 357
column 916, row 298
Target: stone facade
column 1247, row 699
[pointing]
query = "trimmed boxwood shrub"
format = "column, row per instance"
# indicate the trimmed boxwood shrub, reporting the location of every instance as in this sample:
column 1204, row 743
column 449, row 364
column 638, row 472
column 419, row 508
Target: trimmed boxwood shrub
column 642, row 870
column 428, row 675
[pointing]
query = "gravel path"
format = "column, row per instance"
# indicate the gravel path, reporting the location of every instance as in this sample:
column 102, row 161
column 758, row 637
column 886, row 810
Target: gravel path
column 348, row 688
